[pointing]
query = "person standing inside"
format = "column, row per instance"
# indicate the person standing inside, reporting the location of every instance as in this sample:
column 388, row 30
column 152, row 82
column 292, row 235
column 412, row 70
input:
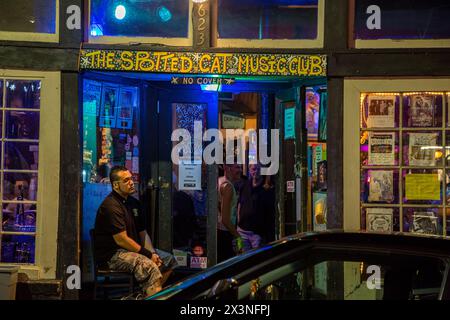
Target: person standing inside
column 256, row 210
column 227, row 235
column 121, row 240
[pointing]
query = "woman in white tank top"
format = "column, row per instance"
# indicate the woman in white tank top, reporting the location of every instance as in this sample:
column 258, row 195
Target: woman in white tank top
column 227, row 219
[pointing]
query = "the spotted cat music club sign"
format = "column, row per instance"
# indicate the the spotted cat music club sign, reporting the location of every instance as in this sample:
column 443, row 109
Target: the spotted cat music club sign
column 204, row 63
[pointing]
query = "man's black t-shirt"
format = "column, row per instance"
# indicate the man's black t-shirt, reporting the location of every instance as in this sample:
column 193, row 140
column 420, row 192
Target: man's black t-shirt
column 257, row 210
column 114, row 216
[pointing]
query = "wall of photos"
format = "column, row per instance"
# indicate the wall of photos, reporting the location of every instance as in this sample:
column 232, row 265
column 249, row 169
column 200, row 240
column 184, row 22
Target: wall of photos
column 404, row 167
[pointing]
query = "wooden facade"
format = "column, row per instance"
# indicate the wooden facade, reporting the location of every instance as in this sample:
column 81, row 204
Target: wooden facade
column 342, row 62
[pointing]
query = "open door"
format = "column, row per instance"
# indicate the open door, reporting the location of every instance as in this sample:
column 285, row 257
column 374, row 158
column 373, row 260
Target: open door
column 187, row 208
column 291, row 187
column 302, row 189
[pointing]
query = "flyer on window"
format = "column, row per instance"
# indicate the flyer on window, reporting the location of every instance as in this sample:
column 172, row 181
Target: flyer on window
column 423, row 186
column 379, row 219
column 381, row 112
column 422, row 148
column 381, row 186
column 382, row 148
column 425, row 223
column 421, row 111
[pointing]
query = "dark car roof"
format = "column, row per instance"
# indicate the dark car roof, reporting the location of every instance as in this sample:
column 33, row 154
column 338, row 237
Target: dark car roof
column 399, row 242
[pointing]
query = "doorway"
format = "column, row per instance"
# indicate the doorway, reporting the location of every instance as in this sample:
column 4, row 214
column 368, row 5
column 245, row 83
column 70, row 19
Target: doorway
column 129, row 118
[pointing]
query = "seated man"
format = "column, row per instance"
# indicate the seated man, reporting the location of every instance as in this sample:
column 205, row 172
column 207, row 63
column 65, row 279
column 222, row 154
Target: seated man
column 121, row 240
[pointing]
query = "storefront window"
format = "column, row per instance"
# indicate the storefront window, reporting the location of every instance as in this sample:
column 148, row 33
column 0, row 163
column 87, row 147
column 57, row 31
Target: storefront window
column 153, row 19
column 402, row 19
column 19, row 169
column 403, row 152
column 268, row 19
column 35, row 16
column 316, row 125
column 110, row 137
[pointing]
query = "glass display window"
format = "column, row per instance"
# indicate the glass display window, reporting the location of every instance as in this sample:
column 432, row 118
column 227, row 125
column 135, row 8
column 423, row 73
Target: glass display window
column 270, row 23
column 400, row 23
column 29, row 20
column 19, row 169
column 166, row 22
column 423, row 221
column 403, row 162
column 111, row 131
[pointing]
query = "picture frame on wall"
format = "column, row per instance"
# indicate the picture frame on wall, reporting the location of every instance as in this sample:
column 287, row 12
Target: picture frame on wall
column 92, row 96
column 312, row 113
column 381, row 111
column 421, row 110
column 320, row 211
column 323, row 114
column 425, row 222
column 110, row 97
column 379, row 220
column 127, row 103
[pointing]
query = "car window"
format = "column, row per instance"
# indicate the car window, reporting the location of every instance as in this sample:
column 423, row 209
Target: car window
column 408, row 279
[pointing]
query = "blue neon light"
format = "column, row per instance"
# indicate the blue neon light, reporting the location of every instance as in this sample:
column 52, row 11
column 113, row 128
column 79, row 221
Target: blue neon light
column 164, row 13
column 120, row 12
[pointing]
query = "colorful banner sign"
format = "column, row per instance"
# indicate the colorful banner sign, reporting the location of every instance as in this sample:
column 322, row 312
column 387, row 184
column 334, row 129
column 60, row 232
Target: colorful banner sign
column 204, row 63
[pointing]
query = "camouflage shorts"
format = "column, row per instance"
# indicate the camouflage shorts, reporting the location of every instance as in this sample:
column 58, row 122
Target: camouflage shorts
column 145, row 271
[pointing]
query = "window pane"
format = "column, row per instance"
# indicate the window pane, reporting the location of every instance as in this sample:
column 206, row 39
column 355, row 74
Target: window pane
column 21, row 156
column 268, row 19
column 23, row 94
column 28, row 16
column 17, row 249
column 422, row 110
column 19, row 217
column 404, row 19
column 422, row 149
column 169, row 18
column 22, row 125
column 19, row 186
column 423, row 220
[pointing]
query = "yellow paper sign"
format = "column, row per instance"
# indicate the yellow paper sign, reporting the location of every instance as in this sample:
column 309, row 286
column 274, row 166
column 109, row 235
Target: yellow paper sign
column 422, row 187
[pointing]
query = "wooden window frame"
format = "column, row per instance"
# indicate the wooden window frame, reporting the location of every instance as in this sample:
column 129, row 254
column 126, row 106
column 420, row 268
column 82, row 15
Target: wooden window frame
column 388, row 43
column 34, row 36
column 270, row 43
column 179, row 42
column 353, row 88
column 48, row 173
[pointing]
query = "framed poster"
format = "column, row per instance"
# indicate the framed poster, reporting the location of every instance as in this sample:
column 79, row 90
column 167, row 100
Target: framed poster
column 108, row 108
column 381, row 112
column 322, row 175
column 312, row 113
column 323, row 116
column 381, row 148
column 379, row 219
column 127, row 103
column 320, row 211
column 425, row 223
column 421, row 110
column 381, row 186
column 421, row 149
